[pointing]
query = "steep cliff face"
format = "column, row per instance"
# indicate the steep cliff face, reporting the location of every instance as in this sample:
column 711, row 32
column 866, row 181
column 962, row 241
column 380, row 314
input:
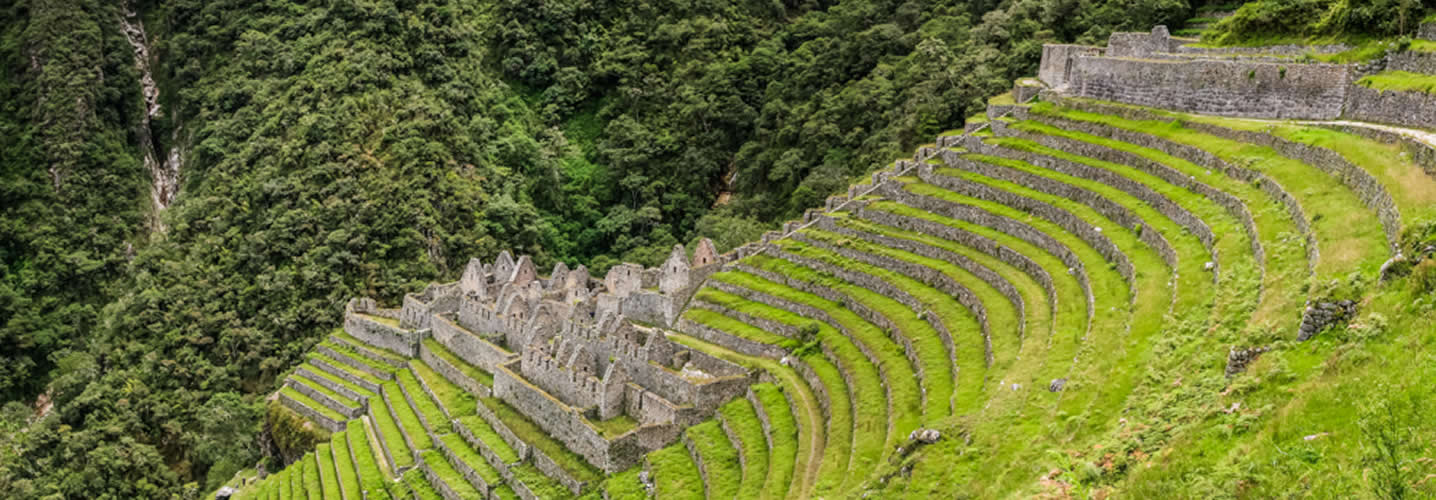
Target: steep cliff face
column 164, row 169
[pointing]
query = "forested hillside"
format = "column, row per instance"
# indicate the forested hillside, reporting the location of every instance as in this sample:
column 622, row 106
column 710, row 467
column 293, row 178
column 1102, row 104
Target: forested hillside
column 336, row 149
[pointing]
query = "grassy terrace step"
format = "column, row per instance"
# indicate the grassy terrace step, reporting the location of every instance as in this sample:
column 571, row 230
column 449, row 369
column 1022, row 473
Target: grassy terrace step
column 311, row 403
column 534, row 436
column 386, row 427
column 344, row 465
column 967, row 335
column 452, row 398
column 541, row 485
column 343, row 367
column 366, row 461
column 1349, row 236
column 724, row 473
column 625, row 485
column 471, row 458
column 344, row 402
column 313, row 487
column 1153, row 289
column 737, row 328
column 675, row 476
column 424, row 405
column 449, row 476
column 870, row 424
column 474, row 372
column 1038, row 305
column 364, row 348
column 321, row 374
column 741, row 424
column 415, row 484
column 408, row 420
column 798, row 448
column 485, row 433
column 351, row 353
column 1285, row 257
column 328, row 475
column 936, row 376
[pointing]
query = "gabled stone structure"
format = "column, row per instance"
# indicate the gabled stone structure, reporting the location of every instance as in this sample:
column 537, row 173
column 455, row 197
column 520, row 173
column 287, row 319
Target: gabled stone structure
column 568, row 351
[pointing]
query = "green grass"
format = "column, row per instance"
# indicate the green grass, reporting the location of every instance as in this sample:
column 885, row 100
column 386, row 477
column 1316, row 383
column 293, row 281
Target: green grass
column 350, row 353
column 423, row 404
column 388, row 430
column 742, row 421
column 1422, row 46
column 455, row 399
column 614, row 427
column 468, row 455
column 316, row 371
column 446, row 472
column 504, row 492
column 344, row 367
column 371, row 477
column 1003, row 99
column 344, row 464
column 414, row 479
column 360, row 345
column 870, row 409
column 625, row 485
column 409, row 422
column 485, row 433
column 720, row 459
column 381, row 319
column 737, row 328
column 474, row 372
column 312, row 486
column 798, row 440
column 311, row 403
column 932, row 355
column 328, row 475
column 282, row 484
column 675, row 476
column 783, row 429
column 343, row 400
column 541, row 485
column 532, row 434
column 1348, row 235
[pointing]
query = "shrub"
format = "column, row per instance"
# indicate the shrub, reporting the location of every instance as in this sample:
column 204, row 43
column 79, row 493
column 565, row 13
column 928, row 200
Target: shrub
column 1423, row 277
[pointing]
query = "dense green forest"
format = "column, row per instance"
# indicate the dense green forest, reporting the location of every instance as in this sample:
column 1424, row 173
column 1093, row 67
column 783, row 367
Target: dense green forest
column 334, row 149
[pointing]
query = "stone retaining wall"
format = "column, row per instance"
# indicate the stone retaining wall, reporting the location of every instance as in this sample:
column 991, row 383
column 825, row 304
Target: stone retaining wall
column 1427, row 32
column 326, row 367
column 365, row 351
column 1216, row 87
column 305, row 373
column 982, row 272
column 1415, row 61
column 1062, row 218
column 380, row 335
column 469, row 347
column 1233, row 205
column 1371, row 192
column 1203, row 159
column 453, row 373
column 774, row 327
column 324, row 399
column 344, row 357
column 521, row 449
column 504, row 468
column 423, row 420
column 1410, row 109
column 1166, row 206
column 730, row 341
column 1104, row 206
column 404, row 433
column 440, row 486
column 1421, row 153
column 697, row 459
column 463, row 468
column 1056, row 66
column 312, row 414
column 384, row 443
column 982, row 244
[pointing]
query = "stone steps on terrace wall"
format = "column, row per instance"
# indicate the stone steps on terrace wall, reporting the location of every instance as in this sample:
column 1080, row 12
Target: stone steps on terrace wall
column 1046, row 211
column 1356, row 179
column 981, row 244
column 1104, row 206
column 1169, row 208
column 1203, row 159
column 1232, row 204
column 307, row 387
column 890, row 329
column 986, row 275
column 928, row 276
